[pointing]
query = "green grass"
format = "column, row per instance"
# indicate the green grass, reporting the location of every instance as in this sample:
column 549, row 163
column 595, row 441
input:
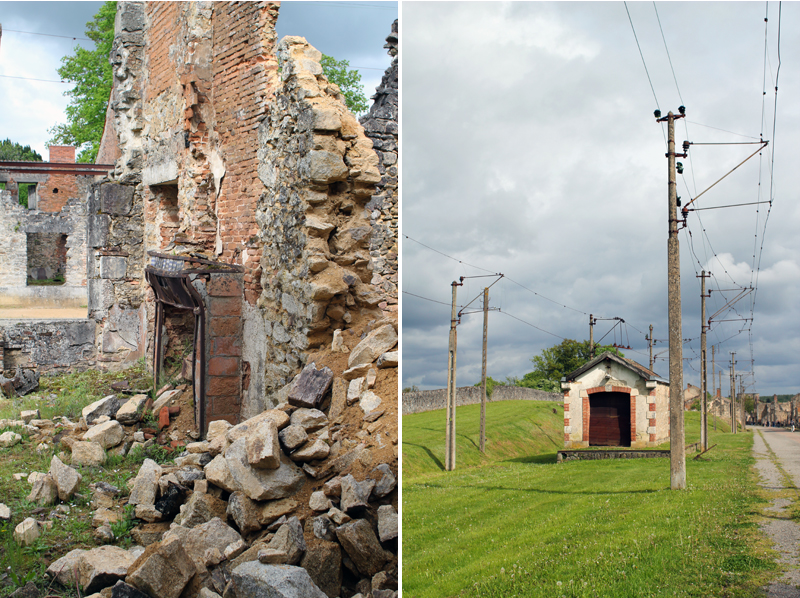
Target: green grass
column 515, row 523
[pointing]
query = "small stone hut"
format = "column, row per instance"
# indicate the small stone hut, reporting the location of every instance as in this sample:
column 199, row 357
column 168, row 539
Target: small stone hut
column 613, row 401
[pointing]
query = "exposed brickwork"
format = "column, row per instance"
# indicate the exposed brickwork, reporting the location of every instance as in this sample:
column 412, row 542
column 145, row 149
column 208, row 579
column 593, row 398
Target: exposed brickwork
column 64, row 154
column 585, row 419
column 633, row 418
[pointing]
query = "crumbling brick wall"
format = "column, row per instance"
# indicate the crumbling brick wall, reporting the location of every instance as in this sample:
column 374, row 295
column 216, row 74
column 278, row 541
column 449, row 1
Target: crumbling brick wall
column 225, row 158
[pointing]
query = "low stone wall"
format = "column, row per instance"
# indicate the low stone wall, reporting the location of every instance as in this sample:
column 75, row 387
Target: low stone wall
column 48, row 345
column 43, row 296
column 430, row 400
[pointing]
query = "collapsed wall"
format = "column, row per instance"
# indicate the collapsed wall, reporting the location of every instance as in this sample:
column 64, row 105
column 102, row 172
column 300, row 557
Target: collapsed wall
column 227, row 155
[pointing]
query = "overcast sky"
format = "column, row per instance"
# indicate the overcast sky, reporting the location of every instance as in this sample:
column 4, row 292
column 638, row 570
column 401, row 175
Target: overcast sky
column 530, row 148
column 353, row 31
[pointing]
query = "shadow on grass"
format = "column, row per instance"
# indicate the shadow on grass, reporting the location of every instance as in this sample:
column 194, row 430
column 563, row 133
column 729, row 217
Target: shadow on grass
column 543, row 458
column 433, row 457
column 543, row 491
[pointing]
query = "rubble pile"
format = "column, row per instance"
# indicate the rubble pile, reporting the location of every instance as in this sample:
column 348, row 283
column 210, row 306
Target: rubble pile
column 298, row 501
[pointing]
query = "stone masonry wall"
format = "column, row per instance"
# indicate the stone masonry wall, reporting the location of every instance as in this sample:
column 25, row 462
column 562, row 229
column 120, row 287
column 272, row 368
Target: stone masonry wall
column 47, row 255
column 13, row 242
column 380, row 125
column 320, row 171
column 431, row 400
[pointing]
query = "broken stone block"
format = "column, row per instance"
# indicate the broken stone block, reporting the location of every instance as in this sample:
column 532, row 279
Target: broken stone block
column 27, row 416
column 355, row 495
column 354, row 390
column 324, row 528
column 337, row 516
column 145, row 485
column 201, row 508
column 170, row 502
column 218, row 473
column 277, row 581
column 149, row 533
column 289, row 539
column 9, row 439
column 5, row 512
column 338, row 346
column 27, row 532
column 107, row 434
column 104, row 516
column 106, row 406
column 390, row 359
column 131, row 412
column 386, row 484
column 63, row 570
column 369, row 401
column 148, row 513
column 310, row 387
column 319, row 502
column 338, row 398
column 216, row 428
column 362, row 546
column 123, row 590
column 323, row 561
column 262, row 484
column 293, row 437
column 163, row 570
column 165, row 399
column 104, row 534
column 87, row 453
column 67, row 479
column 357, row 371
column 333, row 487
column 102, row 567
column 376, row 343
column 243, row 429
column 206, row 544
column 372, row 377
column 274, row 510
column 103, row 495
column 44, row 492
column 312, row 451
column 244, row 512
column 387, row 523
column 273, row 556
column 309, row 419
column 263, row 449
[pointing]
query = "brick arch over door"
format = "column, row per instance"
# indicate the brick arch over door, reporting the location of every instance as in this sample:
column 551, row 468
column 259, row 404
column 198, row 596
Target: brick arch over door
column 613, row 406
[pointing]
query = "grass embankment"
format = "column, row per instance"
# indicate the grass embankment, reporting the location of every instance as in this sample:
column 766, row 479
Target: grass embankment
column 515, row 523
column 57, row 396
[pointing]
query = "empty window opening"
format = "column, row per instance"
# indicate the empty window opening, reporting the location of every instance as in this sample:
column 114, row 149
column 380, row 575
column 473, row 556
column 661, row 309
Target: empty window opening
column 47, row 259
column 27, row 195
column 609, row 419
column 166, row 197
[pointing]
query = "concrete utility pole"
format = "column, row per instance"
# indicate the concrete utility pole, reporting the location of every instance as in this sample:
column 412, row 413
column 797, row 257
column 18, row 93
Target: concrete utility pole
column 713, row 383
column 733, row 393
column 650, row 342
column 677, row 436
column 703, row 364
column 483, row 372
column 450, row 435
column 592, row 322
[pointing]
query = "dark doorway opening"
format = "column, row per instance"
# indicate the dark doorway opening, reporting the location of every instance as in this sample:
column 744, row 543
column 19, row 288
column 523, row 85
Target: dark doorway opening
column 610, row 419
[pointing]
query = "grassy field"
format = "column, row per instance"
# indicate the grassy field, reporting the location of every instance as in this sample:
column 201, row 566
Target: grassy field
column 515, row 523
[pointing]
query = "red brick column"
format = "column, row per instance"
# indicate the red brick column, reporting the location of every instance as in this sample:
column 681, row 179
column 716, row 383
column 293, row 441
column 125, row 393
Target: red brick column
column 633, row 419
column 585, row 427
column 652, row 421
column 224, row 347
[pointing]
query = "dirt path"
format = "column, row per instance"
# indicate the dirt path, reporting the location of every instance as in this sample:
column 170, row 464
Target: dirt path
column 777, row 453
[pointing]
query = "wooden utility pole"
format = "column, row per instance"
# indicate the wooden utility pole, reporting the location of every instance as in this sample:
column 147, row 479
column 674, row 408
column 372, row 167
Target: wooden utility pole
column 483, row 372
column 677, row 436
column 650, row 342
column 703, row 364
column 592, row 322
column 733, row 393
column 450, row 434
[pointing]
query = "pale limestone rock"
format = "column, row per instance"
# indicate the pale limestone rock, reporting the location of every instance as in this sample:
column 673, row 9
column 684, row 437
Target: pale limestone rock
column 319, row 502
column 163, row 570
column 338, row 346
column 253, row 578
column 373, row 346
column 312, row 451
column 241, row 430
column 165, row 399
column 145, row 485
column 390, row 359
column 131, row 412
column 273, row 556
column 67, row 479
column 201, row 508
column 5, row 512
column 44, row 492
column 289, row 539
column 263, row 449
column 357, row 371
column 107, row 434
column 35, row 476
column 372, row 377
column 105, row 516
column 262, row 484
column 27, row 416
column 355, row 495
column 9, row 439
column 369, row 401
column 198, row 447
column 217, row 428
column 63, row 570
column 293, row 437
column 362, row 546
column 218, row 473
column 387, row 522
column 27, row 532
column 386, row 484
column 107, row 406
column 101, row 567
column 309, row 419
column 87, row 453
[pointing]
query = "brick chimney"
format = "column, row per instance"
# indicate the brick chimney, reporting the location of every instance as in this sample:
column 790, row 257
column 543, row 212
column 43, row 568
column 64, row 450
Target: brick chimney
column 62, row 154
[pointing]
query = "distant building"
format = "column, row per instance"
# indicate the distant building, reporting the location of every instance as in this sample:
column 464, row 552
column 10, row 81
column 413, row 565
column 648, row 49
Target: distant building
column 614, row 401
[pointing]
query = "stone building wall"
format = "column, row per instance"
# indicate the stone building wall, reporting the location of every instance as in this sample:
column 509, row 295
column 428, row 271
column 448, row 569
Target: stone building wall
column 380, row 125
column 431, row 400
column 222, row 156
column 13, row 242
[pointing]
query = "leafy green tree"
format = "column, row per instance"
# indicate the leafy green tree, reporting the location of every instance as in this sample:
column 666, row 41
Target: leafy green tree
column 490, row 384
column 348, row 80
column 14, row 152
column 558, row 361
column 91, row 72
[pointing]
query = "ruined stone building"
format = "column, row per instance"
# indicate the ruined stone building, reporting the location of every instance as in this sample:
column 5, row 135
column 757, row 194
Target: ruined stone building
column 236, row 149
column 614, row 401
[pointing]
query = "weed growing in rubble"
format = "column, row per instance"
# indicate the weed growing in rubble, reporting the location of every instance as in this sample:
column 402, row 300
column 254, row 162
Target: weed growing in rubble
column 124, row 525
column 154, row 452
